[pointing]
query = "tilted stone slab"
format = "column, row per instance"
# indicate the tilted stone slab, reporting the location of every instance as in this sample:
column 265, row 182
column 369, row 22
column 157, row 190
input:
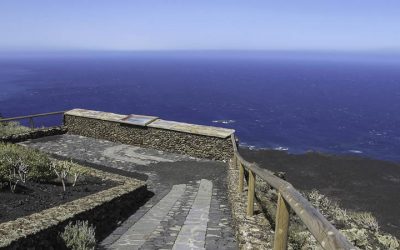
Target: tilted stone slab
column 105, row 116
column 138, row 120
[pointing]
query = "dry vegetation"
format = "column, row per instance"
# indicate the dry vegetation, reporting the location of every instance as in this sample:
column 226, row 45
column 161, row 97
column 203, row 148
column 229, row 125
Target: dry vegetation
column 12, row 128
column 361, row 228
column 79, row 236
column 19, row 165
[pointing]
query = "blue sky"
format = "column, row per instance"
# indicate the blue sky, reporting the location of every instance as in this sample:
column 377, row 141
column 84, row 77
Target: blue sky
column 202, row 24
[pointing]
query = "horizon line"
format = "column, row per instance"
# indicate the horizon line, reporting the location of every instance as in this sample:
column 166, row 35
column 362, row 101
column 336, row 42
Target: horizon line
column 385, row 50
column 10, row 50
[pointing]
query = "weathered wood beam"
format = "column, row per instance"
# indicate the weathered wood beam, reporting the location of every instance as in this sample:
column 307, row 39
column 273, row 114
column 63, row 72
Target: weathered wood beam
column 250, row 193
column 241, row 177
column 281, row 225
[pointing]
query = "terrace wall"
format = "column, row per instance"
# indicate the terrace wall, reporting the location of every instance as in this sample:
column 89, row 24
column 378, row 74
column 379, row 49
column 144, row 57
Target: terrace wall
column 194, row 140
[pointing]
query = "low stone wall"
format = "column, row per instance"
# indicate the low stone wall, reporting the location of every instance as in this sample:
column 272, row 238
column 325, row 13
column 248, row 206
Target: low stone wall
column 103, row 210
column 196, row 145
column 34, row 134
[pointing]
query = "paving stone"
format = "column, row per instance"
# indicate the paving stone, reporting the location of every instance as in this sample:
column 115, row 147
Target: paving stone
column 143, row 228
column 197, row 217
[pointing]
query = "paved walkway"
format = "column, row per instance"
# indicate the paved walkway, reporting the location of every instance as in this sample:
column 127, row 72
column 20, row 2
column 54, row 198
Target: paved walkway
column 189, row 209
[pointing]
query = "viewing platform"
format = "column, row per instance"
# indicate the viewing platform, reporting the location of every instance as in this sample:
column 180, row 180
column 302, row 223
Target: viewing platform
column 201, row 190
column 189, row 209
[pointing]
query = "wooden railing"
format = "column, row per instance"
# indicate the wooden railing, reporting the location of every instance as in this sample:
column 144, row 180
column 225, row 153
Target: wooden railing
column 288, row 198
column 30, row 117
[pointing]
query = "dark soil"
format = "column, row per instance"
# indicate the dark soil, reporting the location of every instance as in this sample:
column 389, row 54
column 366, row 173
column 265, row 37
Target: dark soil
column 357, row 183
column 33, row 197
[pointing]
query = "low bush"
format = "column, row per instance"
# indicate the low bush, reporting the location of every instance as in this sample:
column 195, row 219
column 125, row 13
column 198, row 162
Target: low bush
column 19, row 164
column 79, row 236
column 12, row 128
column 361, row 228
column 66, row 170
column 389, row 241
column 36, row 164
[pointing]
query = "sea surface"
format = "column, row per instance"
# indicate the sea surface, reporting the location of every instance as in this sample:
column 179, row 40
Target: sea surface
column 338, row 103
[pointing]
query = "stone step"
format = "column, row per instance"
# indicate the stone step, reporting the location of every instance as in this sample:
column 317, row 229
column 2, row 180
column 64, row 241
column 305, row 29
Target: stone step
column 140, row 232
column 190, row 233
column 193, row 232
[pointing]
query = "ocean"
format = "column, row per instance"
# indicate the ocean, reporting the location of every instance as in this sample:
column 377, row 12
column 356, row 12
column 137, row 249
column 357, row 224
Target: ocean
column 341, row 103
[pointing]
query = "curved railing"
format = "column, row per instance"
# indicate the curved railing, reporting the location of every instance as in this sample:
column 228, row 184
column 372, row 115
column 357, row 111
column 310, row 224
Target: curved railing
column 288, row 197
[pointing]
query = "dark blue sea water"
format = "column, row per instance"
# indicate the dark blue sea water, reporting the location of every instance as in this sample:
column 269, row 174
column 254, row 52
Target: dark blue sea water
column 346, row 103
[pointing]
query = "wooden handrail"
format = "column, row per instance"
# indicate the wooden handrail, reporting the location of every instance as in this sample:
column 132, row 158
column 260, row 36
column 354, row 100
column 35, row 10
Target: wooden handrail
column 323, row 231
column 30, row 117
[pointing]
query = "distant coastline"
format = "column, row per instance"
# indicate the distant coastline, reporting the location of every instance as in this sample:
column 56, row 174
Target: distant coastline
column 348, row 153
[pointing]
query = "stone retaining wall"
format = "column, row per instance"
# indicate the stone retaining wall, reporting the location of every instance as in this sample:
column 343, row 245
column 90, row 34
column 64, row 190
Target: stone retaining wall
column 192, row 144
column 34, row 134
column 103, row 210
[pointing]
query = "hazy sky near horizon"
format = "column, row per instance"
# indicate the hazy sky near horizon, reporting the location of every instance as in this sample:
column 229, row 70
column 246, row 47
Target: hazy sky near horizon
column 203, row 24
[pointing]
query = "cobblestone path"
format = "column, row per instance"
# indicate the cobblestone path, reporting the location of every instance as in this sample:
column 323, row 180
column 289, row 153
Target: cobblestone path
column 189, row 209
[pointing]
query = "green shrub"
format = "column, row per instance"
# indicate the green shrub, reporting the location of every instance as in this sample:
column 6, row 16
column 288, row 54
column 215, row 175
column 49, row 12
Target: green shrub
column 299, row 238
column 359, row 237
column 12, row 128
column 79, row 236
column 66, row 170
column 361, row 228
column 365, row 220
column 76, row 171
column 388, row 241
column 38, row 164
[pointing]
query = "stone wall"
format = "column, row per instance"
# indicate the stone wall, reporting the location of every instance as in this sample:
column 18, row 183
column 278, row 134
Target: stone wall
column 196, row 145
column 103, row 210
column 34, row 134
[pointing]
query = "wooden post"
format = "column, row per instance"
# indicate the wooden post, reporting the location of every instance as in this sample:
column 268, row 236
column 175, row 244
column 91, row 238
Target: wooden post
column 282, row 224
column 250, row 193
column 31, row 123
column 241, row 177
